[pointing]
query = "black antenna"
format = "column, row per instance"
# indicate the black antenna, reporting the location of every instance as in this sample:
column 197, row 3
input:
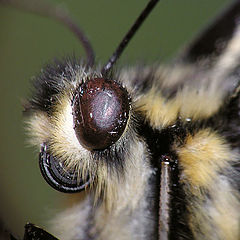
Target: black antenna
column 58, row 13
column 147, row 10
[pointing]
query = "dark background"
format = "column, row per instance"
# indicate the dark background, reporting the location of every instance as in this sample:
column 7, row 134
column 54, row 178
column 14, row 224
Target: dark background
column 28, row 41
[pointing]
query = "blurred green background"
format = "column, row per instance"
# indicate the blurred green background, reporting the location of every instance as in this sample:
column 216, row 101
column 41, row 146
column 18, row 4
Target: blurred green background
column 28, row 41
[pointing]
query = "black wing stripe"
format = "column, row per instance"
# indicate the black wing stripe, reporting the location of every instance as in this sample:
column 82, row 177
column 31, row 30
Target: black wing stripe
column 220, row 30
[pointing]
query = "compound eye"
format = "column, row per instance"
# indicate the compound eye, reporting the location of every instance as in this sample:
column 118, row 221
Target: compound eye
column 57, row 175
column 100, row 113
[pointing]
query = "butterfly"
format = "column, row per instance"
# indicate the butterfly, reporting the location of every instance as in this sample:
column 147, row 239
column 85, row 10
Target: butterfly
column 154, row 147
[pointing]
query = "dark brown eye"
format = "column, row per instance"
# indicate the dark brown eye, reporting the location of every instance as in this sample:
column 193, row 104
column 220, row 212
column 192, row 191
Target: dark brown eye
column 100, row 113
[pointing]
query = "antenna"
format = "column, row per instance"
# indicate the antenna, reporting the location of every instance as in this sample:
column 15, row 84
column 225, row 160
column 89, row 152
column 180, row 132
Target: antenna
column 146, row 11
column 60, row 14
